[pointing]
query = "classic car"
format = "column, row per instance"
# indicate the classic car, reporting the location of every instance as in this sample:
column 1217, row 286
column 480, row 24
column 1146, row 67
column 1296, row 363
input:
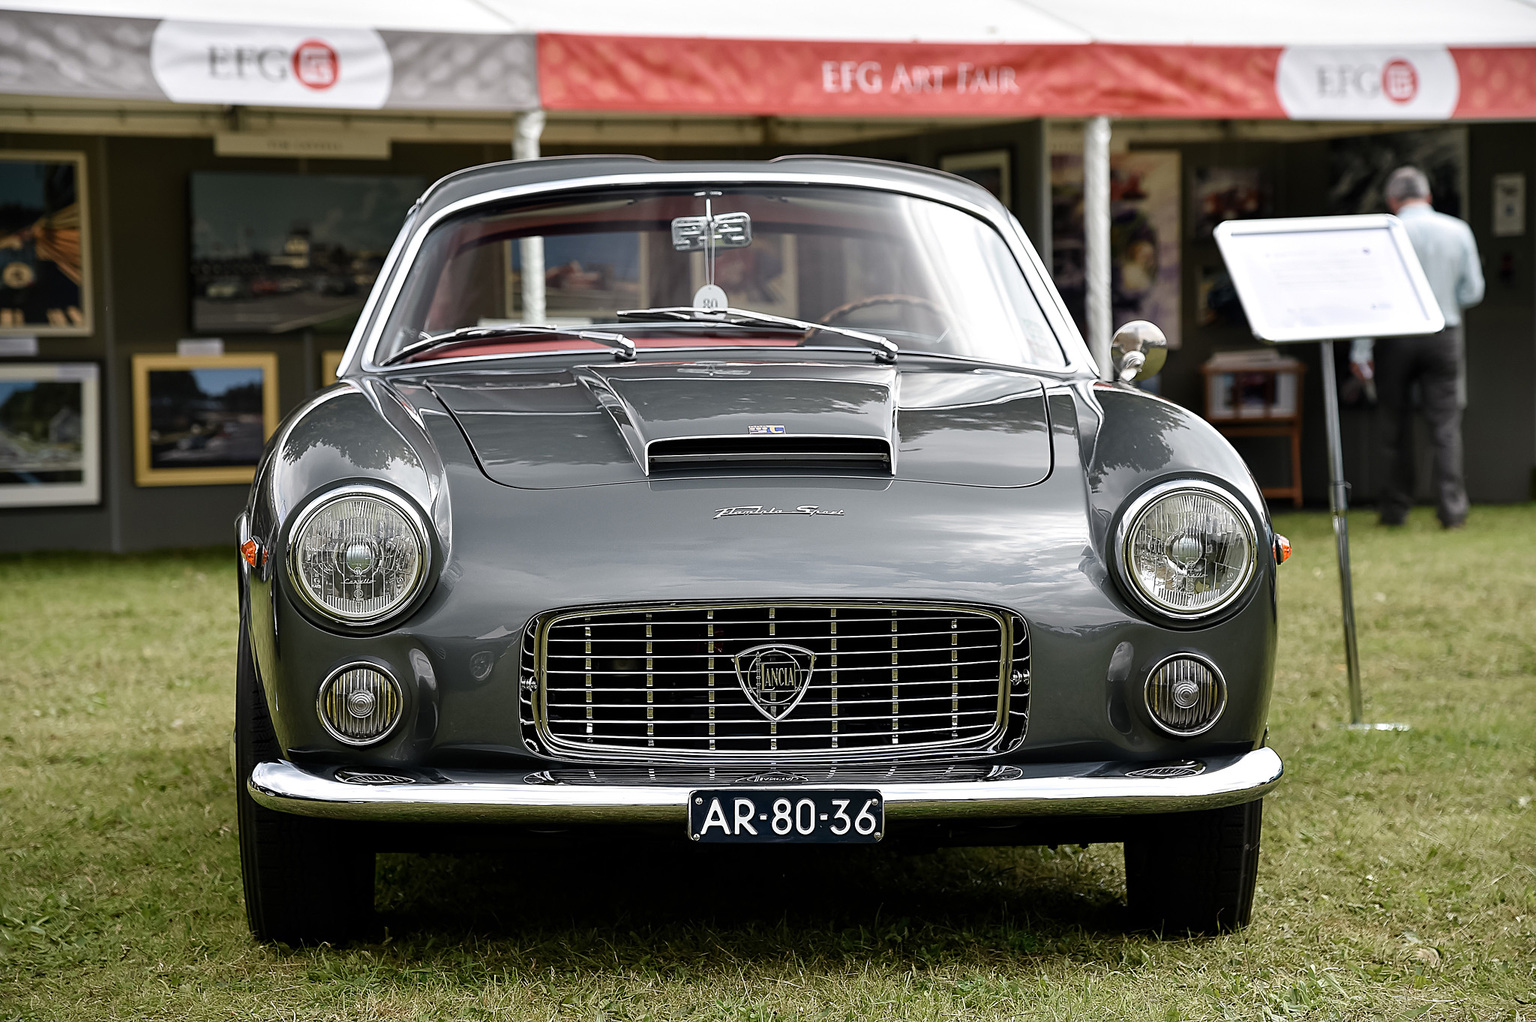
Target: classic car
column 789, row 507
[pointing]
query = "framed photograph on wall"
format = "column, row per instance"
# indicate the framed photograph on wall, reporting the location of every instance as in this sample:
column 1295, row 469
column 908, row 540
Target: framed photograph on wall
column 990, row 168
column 272, row 253
column 45, row 287
column 201, row 420
column 50, row 434
column 1218, row 194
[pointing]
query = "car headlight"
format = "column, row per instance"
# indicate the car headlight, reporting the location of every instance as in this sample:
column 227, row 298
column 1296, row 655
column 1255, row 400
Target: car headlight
column 359, row 555
column 1187, row 549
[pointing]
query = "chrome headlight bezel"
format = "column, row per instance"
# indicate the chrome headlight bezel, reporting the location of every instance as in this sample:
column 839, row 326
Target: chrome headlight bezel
column 417, row 528
column 1220, row 686
column 392, row 683
column 1132, row 518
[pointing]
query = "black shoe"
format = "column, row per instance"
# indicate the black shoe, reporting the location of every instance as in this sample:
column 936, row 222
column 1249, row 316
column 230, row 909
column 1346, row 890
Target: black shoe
column 1392, row 523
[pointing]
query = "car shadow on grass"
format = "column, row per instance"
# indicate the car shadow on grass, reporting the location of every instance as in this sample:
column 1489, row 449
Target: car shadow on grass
column 623, row 907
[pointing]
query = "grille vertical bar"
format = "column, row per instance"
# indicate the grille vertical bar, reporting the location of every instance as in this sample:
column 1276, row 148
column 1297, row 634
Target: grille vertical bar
column 887, row 679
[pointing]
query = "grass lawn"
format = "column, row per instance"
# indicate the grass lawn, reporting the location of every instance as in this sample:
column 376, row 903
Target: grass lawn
column 1398, row 877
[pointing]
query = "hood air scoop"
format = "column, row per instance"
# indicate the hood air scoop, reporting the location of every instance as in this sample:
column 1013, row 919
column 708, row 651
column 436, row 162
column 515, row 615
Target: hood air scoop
column 698, row 417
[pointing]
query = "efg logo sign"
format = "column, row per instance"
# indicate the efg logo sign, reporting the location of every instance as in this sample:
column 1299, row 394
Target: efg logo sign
column 270, row 65
column 1359, row 83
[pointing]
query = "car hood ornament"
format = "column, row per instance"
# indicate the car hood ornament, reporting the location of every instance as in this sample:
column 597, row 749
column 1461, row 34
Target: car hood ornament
column 775, row 677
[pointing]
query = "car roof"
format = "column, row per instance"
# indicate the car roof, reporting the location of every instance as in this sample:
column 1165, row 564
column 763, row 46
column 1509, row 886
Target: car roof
column 473, row 181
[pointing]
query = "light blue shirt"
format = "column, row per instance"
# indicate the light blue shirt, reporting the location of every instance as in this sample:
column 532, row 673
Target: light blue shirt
column 1448, row 254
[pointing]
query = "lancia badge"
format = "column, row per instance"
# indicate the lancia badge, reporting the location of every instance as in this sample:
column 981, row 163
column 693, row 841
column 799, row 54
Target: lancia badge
column 775, row 677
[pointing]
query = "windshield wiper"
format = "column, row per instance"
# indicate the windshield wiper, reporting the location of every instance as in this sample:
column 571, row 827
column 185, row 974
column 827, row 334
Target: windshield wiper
column 885, row 349
column 624, row 348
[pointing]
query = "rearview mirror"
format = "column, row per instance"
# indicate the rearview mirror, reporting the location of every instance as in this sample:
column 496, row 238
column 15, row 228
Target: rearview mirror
column 731, row 230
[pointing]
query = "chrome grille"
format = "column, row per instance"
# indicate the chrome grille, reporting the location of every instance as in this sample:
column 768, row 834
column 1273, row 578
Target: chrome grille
column 887, row 680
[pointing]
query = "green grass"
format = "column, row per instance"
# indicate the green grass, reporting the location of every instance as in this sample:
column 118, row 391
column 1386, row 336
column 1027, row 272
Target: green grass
column 1398, row 878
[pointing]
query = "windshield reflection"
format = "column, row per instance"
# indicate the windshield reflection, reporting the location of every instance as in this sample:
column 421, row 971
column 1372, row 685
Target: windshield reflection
column 926, row 275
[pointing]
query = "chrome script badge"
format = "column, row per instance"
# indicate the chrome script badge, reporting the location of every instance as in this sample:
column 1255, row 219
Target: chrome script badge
column 775, row 677
column 811, row 510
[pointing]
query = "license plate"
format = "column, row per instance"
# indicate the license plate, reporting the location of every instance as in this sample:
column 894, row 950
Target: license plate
column 786, row 816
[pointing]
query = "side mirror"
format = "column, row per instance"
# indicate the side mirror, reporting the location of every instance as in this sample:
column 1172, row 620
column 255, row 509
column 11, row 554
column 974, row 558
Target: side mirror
column 1138, row 351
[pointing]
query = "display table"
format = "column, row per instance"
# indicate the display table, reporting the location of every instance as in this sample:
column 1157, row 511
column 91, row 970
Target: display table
column 1258, row 394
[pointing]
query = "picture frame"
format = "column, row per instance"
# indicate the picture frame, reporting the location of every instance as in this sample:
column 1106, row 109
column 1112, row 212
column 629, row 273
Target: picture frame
column 275, row 252
column 50, row 434
column 45, row 245
column 201, row 420
column 1221, row 193
column 990, row 168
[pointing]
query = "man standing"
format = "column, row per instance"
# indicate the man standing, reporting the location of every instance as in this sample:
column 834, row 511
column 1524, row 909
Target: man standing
column 1448, row 253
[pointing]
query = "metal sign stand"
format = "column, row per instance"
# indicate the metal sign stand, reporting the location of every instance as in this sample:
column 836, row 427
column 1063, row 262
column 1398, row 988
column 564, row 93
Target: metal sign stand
column 1338, row 502
column 1319, row 279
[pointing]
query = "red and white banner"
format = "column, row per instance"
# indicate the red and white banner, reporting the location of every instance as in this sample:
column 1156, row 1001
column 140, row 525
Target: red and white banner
column 763, row 77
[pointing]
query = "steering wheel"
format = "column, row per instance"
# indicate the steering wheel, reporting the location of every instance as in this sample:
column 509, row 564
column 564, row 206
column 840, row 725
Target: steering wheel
column 916, row 301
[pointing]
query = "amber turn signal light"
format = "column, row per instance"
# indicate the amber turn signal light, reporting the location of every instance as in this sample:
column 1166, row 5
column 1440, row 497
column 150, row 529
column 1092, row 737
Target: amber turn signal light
column 1282, row 549
column 251, row 552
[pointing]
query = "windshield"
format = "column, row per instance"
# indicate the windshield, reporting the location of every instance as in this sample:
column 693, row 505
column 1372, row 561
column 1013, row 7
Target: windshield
column 925, row 275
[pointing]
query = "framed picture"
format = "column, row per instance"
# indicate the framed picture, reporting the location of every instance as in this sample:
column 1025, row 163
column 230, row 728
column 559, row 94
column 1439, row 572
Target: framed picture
column 44, row 245
column 50, row 434
column 330, row 362
column 201, row 419
column 278, row 252
column 990, row 168
column 1144, row 239
column 1227, row 193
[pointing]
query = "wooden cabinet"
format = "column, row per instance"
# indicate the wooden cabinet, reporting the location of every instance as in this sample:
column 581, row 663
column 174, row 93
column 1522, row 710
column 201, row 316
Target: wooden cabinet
column 1258, row 394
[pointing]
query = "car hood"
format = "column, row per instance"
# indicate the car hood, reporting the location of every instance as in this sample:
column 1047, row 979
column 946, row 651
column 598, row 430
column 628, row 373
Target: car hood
column 588, row 425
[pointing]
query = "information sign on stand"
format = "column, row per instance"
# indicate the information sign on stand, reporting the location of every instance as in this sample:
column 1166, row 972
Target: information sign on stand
column 1325, row 279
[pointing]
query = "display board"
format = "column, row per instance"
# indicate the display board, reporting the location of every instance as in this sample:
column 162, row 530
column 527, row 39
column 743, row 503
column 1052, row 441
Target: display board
column 1328, row 277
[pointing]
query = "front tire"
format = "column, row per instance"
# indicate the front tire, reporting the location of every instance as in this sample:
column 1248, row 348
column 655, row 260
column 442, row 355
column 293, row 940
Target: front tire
column 306, row 881
column 1194, row 872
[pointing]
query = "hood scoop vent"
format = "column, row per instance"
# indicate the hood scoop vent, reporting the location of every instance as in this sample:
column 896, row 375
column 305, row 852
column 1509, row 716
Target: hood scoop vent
column 772, row 451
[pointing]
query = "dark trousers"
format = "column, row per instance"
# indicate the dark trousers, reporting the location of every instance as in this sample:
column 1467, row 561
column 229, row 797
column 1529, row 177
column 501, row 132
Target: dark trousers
column 1432, row 361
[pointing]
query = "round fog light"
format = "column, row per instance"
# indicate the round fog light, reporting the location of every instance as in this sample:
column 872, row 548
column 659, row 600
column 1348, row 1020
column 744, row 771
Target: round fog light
column 360, row 704
column 1185, row 695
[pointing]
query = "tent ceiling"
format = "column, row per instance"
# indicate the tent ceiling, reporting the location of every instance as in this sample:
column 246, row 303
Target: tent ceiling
column 854, row 60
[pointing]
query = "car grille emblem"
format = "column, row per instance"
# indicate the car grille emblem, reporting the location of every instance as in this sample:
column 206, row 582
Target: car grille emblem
column 775, row 677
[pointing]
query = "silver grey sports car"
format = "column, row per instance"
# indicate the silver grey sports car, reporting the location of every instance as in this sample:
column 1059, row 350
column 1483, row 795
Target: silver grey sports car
column 744, row 503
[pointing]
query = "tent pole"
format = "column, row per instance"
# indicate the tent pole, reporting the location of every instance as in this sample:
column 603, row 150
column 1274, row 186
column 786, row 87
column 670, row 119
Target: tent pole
column 525, row 146
column 1096, row 238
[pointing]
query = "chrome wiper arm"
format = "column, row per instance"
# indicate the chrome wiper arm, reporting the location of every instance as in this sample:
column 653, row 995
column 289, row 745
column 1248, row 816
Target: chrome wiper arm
column 884, row 348
column 624, row 348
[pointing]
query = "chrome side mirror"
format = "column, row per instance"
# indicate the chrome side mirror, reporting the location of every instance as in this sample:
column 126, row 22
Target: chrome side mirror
column 1138, row 351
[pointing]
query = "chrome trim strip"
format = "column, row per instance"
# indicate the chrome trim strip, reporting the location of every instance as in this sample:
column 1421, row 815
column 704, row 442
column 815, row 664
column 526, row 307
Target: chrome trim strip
column 1089, row 788
column 1075, row 360
column 566, row 749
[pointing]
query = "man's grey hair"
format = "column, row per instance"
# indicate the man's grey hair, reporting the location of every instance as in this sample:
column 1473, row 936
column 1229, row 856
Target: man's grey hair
column 1407, row 183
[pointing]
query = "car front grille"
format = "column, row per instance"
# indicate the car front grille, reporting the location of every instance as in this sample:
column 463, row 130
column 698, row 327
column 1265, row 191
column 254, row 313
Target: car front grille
column 845, row 682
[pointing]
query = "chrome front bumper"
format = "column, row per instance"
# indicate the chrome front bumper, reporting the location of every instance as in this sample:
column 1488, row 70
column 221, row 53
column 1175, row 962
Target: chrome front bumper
column 1070, row 789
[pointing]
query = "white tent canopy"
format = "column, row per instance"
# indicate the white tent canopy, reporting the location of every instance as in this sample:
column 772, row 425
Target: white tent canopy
column 1311, row 59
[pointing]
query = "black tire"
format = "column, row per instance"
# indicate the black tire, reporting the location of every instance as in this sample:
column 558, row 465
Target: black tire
column 306, row 880
column 1194, row 872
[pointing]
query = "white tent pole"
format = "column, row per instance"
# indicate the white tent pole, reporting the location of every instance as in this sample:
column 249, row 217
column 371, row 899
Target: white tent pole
column 1096, row 238
column 525, row 146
